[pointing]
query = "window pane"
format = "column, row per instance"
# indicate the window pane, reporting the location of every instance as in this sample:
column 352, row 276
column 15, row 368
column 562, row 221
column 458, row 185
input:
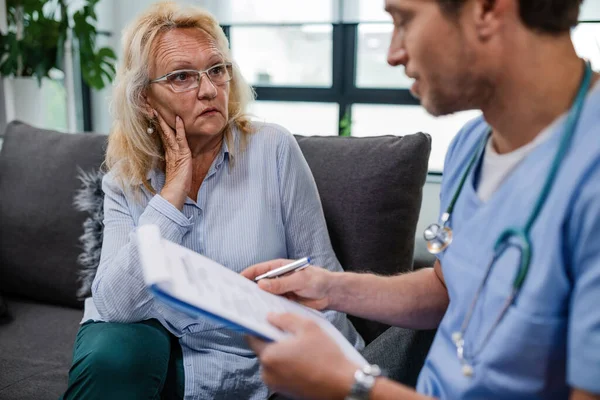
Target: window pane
column 284, row 56
column 586, row 38
column 55, row 110
column 231, row 12
column 375, row 120
column 43, row 107
column 374, row 39
column 365, row 11
column 299, row 117
column 590, row 10
column 372, row 67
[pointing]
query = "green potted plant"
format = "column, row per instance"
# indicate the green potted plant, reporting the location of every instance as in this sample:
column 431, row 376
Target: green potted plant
column 43, row 37
column 346, row 124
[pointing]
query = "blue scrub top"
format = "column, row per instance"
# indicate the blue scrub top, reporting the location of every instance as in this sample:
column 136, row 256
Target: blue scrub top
column 549, row 339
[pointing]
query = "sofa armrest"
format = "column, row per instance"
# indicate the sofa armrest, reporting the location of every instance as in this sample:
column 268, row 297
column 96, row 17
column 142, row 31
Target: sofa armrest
column 400, row 353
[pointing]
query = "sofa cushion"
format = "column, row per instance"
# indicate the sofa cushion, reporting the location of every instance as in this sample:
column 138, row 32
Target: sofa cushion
column 36, row 350
column 5, row 316
column 40, row 228
column 400, row 353
column 371, row 191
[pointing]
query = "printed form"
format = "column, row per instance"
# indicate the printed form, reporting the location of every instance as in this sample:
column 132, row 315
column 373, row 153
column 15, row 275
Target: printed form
column 203, row 288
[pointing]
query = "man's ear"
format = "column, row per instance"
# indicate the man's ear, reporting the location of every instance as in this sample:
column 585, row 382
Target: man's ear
column 490, row 15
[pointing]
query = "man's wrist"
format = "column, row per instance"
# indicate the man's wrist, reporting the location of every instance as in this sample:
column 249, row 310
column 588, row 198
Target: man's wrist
column 340, row 292
column 344, row 380
column 335, row 290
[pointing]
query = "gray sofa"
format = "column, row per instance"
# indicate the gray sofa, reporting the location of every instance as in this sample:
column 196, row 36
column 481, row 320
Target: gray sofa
column 371, row 192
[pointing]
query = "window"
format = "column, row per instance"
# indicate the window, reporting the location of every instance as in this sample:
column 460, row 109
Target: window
column 236, row 12
column 304, row 118
column 590, row 11
column 355, row 11
column 54, row 96
column 374, row 120
column 43, row 106
column 586, row 38
column 323, row 62
column 286, row 55
column 313, row 70
column 316, row 64
column 372, row 69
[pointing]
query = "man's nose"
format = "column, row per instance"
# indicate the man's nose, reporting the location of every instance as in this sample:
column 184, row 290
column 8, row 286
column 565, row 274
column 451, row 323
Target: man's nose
column 397, row 54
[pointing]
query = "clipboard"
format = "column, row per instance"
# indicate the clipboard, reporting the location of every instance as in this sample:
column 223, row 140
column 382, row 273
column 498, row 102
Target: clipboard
column 204, row 289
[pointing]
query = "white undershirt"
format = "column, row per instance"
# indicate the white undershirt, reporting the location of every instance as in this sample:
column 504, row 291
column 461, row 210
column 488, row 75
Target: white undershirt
column 495, row 168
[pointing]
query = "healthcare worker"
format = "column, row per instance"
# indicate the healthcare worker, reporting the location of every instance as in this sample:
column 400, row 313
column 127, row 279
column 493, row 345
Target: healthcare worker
column 515, row 290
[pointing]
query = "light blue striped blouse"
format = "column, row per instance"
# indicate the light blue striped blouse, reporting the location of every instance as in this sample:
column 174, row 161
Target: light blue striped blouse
column 254, row 205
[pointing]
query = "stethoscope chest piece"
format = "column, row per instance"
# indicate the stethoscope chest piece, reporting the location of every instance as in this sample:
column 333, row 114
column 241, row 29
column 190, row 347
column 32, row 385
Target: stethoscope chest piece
column 438, row 236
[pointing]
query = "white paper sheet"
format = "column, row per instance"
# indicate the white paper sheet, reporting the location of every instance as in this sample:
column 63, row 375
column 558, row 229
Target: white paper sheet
column 203, row 288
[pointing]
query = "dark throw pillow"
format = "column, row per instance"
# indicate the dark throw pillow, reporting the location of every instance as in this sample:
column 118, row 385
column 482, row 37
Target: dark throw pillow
column 90, row 199
column 371, row 191
column 39, row 227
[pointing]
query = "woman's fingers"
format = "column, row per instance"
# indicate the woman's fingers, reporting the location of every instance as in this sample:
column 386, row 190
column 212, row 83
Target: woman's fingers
column 174, row 139
column 180, row 134
column 166, row 133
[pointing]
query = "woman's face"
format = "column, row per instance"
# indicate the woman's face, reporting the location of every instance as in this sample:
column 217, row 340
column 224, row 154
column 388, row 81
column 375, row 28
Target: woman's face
column 203, row 109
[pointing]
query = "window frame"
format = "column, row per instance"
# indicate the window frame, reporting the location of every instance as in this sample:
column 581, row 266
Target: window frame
column 343, row 90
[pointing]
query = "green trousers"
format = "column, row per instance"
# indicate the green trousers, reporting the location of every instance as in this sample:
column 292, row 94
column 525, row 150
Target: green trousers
column 125, row 361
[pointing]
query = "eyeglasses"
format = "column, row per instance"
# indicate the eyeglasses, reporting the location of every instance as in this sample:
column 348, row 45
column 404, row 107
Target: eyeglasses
column 187, row 79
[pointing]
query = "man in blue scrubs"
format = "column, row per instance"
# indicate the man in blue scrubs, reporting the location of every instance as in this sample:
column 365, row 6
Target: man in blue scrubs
column 514, row 60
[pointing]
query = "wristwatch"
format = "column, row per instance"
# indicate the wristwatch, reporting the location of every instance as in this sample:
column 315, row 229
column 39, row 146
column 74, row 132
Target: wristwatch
column 364, row 379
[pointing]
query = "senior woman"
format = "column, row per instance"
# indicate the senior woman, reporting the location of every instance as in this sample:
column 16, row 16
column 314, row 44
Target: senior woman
column 183, row 155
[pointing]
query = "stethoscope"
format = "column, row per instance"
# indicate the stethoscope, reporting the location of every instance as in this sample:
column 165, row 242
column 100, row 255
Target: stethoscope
column 439, row 235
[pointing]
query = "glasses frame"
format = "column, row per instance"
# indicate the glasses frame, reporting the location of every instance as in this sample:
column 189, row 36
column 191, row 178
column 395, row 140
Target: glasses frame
column 164, row 78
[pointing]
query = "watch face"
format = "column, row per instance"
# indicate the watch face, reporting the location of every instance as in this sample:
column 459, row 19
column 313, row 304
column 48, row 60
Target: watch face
column 363, row 383
column 372, row 370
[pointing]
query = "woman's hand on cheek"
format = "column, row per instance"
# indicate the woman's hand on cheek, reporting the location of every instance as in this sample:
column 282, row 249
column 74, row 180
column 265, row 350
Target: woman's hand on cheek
column 178, row 160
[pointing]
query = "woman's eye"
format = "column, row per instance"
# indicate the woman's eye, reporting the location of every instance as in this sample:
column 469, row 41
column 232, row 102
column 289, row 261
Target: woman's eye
column 181, row 76
column 218, row 70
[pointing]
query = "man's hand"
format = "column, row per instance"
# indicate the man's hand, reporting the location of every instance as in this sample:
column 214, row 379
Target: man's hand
column 307, row 365
column 309, row 286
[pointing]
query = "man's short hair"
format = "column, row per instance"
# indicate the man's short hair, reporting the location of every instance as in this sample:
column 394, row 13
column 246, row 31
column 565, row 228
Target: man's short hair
column 546, row 16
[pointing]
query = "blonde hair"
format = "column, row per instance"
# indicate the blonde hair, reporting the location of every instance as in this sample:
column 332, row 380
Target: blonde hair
column 131, row 152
